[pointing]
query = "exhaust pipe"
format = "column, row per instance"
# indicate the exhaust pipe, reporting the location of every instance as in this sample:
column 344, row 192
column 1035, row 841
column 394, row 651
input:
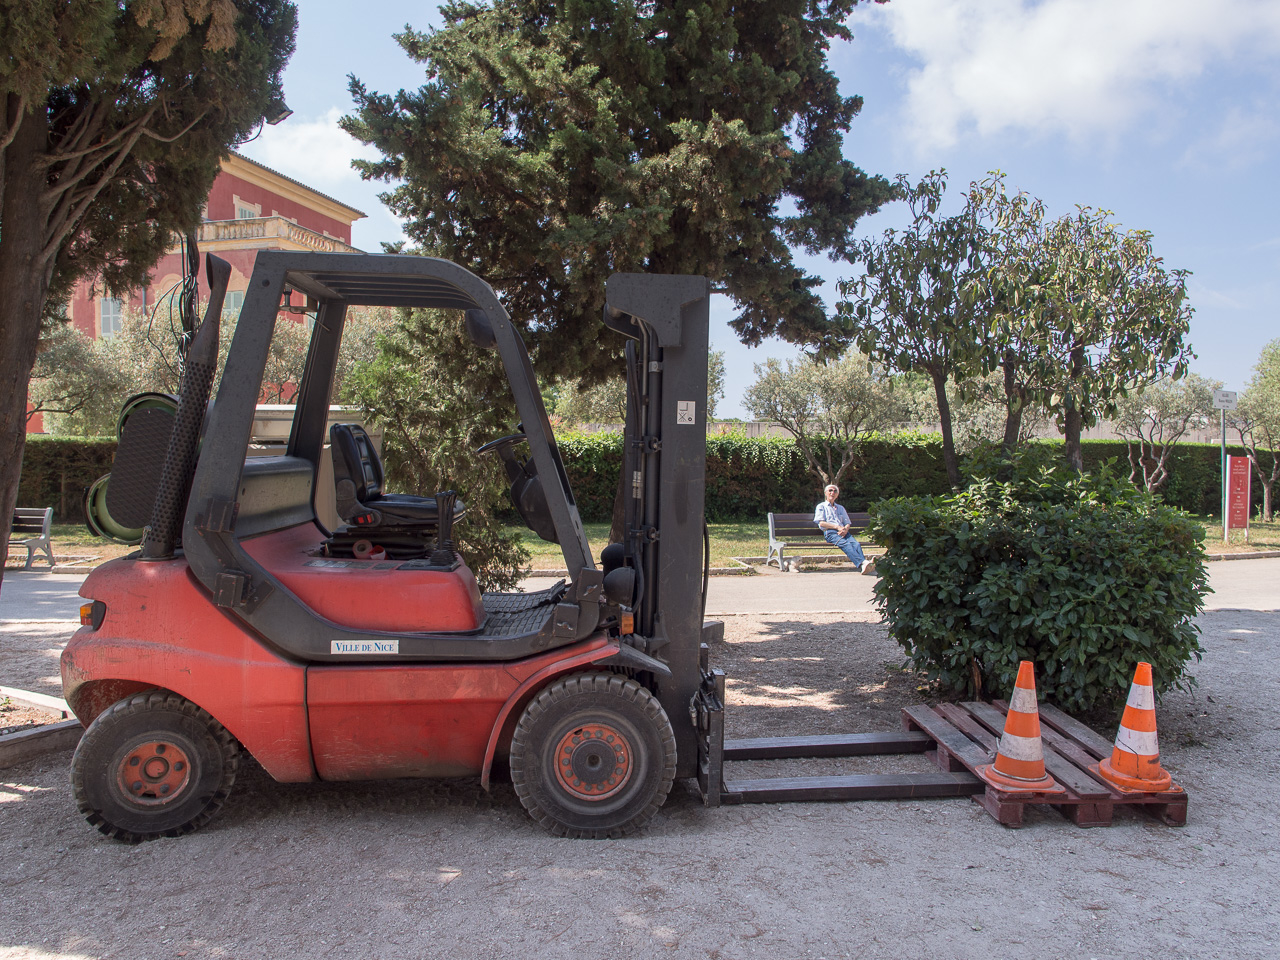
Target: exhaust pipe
column 193, row 399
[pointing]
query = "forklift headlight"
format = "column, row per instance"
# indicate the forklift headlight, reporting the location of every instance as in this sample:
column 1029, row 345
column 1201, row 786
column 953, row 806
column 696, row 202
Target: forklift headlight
column 92, row 614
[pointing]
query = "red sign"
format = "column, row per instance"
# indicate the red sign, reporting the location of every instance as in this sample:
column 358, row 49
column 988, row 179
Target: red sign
column 1238, row 483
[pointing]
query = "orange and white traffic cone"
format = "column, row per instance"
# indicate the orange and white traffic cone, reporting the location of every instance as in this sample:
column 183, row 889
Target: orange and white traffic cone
column 1019, row 763
column 1135, row 762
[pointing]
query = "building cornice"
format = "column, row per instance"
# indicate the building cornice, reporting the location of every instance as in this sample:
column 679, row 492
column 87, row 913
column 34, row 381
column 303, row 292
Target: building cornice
column 253, row 172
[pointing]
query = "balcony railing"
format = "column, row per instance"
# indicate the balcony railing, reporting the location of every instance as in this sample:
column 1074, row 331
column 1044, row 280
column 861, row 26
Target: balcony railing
column 270, row 228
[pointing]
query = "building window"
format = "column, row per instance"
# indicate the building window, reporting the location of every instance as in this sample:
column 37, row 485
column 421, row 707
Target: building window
column 111, row 315
column 246, row 210
column 232, row 303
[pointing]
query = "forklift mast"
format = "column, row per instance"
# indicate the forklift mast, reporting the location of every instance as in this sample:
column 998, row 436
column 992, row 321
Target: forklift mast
column 665, row 319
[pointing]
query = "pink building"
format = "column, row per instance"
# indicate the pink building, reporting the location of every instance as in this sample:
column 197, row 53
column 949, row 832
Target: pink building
column 250, row 208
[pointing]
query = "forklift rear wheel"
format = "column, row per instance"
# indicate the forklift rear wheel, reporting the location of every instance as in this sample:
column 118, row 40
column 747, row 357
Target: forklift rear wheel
column 593, row 756
column 153, row 765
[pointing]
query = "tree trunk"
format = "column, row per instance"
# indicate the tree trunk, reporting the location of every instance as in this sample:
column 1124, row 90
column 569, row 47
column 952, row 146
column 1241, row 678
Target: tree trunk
column 1072, row 427
column 1073, row 417
column 1015, row 402
column 24, row 282
column 948, row 441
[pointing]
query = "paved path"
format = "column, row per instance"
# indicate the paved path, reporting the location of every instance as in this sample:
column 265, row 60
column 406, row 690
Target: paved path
column 1237, row 585
column 31, row 596
column 1244, row 585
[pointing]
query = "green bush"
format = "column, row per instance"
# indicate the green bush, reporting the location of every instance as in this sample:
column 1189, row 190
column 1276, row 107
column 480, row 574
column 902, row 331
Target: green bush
column 1083, row 575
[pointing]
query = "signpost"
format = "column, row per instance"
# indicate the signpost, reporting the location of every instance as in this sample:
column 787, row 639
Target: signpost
column 1224, row 400
column 1239, row 481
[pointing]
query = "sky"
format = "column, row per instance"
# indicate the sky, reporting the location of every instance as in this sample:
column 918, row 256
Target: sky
column 1161, row 111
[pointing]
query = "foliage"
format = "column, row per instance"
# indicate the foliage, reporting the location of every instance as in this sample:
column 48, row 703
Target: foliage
column 116, row 114
column 1257, row 420
column 83, row 382
column 554, row 144
column 1085, row 311
column 1068, row 315
column 75, row 382
column 437, row 399
column 577, row 402
column 746, row 476
column 1153, row 419
column 981, row 412
column 1079, row 573
column 915, row 306
column 57, row 471
column 825, row 406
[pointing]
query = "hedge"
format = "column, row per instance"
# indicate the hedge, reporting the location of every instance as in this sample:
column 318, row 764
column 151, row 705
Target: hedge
column 749, row 477
column 56, row 472
column 746, row 477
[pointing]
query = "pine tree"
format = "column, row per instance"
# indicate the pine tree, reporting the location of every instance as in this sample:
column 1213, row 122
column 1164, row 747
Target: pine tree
column 557, row 142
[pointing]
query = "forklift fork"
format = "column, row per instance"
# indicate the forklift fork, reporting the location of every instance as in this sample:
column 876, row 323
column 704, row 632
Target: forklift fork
column 708, row 710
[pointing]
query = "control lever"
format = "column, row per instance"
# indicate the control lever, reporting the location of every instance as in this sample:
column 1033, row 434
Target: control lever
column 443, row 555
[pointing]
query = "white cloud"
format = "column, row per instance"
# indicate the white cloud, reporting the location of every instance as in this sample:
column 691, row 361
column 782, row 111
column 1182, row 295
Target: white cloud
column 315, row 152
column 1083, row 68
column 318, row 152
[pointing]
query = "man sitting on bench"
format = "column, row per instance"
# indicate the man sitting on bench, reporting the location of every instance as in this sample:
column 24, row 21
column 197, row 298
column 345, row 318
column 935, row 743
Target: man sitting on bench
column 833, row 520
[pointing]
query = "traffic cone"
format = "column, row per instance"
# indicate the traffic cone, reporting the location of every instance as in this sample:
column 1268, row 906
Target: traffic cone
column 1019, row 763
column 1135, row 762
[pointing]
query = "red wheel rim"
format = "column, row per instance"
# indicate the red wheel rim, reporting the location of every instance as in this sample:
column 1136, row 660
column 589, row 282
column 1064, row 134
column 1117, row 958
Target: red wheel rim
column 593, row 762
column 154, row 773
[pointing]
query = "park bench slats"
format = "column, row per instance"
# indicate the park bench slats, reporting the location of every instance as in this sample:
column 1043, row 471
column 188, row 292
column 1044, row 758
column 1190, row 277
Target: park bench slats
column 30, row 528
column 798, row 531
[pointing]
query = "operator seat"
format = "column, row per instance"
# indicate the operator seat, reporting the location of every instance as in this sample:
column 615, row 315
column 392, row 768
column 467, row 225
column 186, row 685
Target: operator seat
column 358, row 480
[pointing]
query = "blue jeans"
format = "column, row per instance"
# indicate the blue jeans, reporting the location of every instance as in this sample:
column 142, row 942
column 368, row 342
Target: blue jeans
column 851, row 547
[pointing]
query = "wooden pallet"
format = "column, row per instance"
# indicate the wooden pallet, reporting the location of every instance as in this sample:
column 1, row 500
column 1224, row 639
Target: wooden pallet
column 966, row 734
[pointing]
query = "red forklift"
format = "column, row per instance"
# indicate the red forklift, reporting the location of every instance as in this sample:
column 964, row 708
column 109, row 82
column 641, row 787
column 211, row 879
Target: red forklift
column 367, row 651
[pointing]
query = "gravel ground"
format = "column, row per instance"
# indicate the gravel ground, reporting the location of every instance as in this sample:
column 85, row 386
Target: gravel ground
column 428, row 869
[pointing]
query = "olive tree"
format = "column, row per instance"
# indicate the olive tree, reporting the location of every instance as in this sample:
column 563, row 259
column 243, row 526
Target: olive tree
column 1257, row 420
column 1152, row 419
column 825, row 406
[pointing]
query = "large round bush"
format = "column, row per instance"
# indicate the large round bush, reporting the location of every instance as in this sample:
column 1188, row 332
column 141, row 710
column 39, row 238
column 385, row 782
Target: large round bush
column 1080, row 573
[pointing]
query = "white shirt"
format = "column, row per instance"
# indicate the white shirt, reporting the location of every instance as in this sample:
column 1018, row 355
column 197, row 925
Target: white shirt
column 831, row 513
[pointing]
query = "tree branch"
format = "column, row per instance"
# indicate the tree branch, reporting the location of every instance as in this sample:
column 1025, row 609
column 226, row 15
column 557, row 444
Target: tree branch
column 15, row 107
column 72, row 219
column 181, row 133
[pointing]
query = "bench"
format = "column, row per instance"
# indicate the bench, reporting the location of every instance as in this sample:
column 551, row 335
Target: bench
column 30, row 529
column 798, row 531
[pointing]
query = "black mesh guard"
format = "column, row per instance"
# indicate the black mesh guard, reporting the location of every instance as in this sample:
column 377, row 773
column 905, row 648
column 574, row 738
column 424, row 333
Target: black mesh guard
column 175, row 479
column 193, row 399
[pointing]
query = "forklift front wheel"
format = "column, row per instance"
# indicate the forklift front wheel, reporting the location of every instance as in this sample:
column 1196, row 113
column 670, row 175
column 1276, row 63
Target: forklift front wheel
column 593, row 756
column 153, row 765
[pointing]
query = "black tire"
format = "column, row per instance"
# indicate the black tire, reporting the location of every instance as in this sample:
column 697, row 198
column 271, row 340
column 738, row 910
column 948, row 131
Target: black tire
column 153, row 765
column 563, row 745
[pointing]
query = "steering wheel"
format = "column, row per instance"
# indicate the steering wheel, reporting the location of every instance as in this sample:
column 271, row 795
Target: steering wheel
column 502, row 444
column 504, row 447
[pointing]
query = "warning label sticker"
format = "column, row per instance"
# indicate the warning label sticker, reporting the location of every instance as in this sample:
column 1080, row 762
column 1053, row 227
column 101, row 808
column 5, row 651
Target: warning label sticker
column 686, row 412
